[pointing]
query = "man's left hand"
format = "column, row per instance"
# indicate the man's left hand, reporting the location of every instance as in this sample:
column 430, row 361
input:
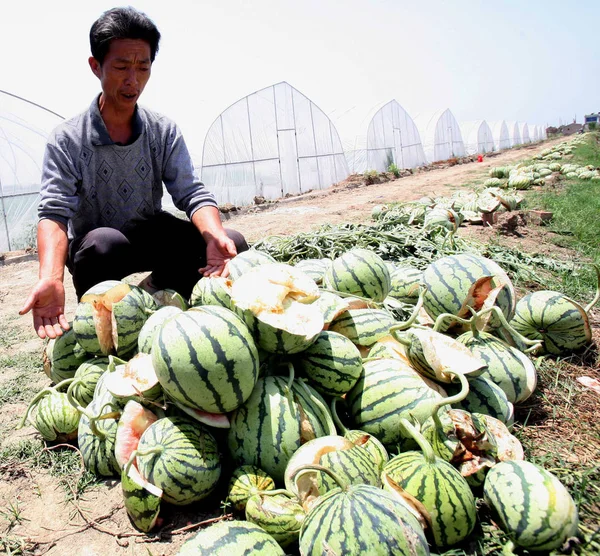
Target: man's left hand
column 219, row 251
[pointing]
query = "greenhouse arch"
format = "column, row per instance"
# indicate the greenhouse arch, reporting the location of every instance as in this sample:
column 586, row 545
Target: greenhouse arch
column 24, row 129
column 524, row 132
column 271, row 143
column 477, row 137
column 440, row 135
column 514, row 133
column 501, row 135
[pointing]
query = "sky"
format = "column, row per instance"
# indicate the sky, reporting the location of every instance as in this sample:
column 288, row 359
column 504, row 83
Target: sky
column 528, row 60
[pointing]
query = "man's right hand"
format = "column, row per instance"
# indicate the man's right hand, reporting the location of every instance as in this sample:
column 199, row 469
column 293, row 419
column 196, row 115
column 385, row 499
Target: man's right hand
column 47, row 303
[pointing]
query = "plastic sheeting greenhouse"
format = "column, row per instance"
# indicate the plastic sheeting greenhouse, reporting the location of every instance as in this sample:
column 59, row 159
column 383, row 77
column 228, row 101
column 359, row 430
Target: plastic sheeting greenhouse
column 500, row 134
column 391, row 138
column 271, row 143
column 24, row 128
column 514, row 133
column 477, row 137
column 440, row 135
column 524, row 132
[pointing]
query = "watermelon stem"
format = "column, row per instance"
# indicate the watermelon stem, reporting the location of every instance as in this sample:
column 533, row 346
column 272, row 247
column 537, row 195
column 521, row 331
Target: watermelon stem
column 413, row 317
column 370, row 303
column 41, row 394
column 303, row 469
column 516, row 336
column 597, row 296
column 458, row 397
column 336, row 417
column 413, row 432
column 324, row 411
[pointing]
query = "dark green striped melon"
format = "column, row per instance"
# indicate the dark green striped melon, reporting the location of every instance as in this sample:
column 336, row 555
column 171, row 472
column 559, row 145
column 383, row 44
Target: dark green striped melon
column 360, row 520
column 332, row 363
column 506, row 366
column 180, row 457
column 331, row 306
column 153, row 325
column 246, row 260
column 404, row 284
column 140, row 498
column 212, row 291
column 280, row 515
column 488, row 398
column 560, row 322
column 206, row 359
column 387, row 391
column 62, row 356
column 109, row 317
column 230, row 538
column 315, row 268
column 457, row 282
column 531, row 505
column 351, row 462
column 96, row 437
column 359, row 272
column 274, row 422
column 439, row 487
column 86, row 378
column 246, row 481
column 363, row 326
column 55, row 418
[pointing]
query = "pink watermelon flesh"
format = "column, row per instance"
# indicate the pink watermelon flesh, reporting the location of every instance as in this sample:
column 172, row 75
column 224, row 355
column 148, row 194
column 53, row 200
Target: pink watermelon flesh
column 134, row 420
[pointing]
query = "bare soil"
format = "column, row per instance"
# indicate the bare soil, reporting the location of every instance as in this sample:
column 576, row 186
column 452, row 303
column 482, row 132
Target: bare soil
column 96, row 523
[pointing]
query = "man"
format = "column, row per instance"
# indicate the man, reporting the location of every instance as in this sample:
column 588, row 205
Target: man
column 100, row 210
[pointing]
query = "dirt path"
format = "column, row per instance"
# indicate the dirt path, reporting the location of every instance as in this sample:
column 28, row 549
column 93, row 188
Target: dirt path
column 46, row 515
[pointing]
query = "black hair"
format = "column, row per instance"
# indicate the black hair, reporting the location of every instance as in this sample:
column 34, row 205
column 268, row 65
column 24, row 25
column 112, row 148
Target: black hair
column 122, row 23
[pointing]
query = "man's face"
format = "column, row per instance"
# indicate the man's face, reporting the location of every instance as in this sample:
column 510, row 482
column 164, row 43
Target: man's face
column 124, row 72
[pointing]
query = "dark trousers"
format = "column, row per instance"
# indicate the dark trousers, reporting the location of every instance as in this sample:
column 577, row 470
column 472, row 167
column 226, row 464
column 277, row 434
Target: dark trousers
column 173, row 249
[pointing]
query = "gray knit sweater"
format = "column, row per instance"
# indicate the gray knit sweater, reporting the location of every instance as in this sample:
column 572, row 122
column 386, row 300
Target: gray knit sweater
column 88, row 181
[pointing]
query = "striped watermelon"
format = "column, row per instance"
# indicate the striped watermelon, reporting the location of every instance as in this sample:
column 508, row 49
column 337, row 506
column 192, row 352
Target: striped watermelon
column 315, row 268
column 141, row 498
column 152, row 326
column 275, row 421
column 206, row 359
column 246, row 481
column 332, row 363
column 387, row 391
column 532, row 506
column 488, row 398
column 180, row 457
column 62, row 356
column 280, row 515
column 133, row 380
column 212, row 291
column 331, row 306
column 359, row 272
column 363, row 326
column 351, row 462
column 507, row 367
column 404, row 284
column 457, row 282
column 360, row 520
column 134, row 421
column 230, row 538
column 96, row 437
column 109, row 317
column 86, row 378
column 439, row 487
column 560, row 322
column 246, row 260
column 170, row 298
column 55, row 418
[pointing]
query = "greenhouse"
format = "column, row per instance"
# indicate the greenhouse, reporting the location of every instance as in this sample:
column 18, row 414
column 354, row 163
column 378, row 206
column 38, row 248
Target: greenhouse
column 524, row 133
column 391, row 138
column 534, row 133
column 440, row 135
column 24, row 128
column 500, row 135
column 269, row 144
column 514, row 133
column 477, row 137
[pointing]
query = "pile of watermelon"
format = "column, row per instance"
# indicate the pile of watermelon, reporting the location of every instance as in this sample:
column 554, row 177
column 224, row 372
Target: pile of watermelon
column 346, row 406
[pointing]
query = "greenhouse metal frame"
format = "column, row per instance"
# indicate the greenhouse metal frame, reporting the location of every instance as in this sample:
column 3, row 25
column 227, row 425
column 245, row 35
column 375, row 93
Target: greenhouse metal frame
column 477, row 137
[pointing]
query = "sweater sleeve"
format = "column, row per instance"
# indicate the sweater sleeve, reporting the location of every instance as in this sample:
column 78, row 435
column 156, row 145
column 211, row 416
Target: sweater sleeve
column 188, row 192
column 59, row 199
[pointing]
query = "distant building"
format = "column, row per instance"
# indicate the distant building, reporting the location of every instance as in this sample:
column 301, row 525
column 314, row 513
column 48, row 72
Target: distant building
column 570, row 129
column 592, row 119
